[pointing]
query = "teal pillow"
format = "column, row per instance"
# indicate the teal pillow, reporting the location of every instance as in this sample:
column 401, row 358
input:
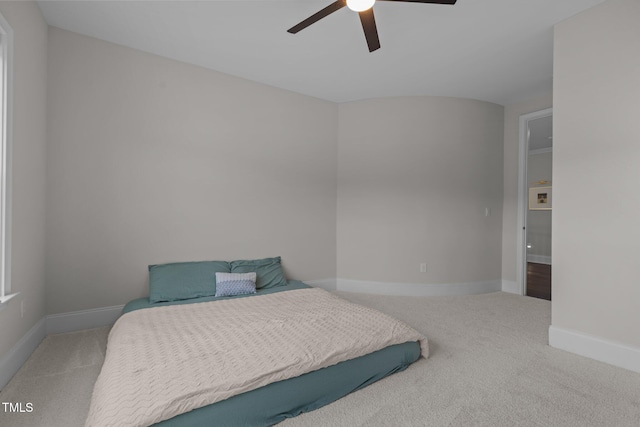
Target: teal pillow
column 184, row 280
column 269, row 271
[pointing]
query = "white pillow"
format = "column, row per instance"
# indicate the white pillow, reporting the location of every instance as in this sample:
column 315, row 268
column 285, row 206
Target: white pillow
column 229, row 284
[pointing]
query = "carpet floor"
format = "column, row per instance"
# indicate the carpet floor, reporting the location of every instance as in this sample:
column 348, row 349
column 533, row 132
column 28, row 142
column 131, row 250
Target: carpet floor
column 490, row 365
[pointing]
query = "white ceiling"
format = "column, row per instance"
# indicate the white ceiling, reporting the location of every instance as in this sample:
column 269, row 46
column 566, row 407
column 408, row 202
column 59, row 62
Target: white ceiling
column 492, row 50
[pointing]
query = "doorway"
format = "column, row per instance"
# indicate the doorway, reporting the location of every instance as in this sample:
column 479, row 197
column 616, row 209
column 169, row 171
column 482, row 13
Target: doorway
column 535, row 204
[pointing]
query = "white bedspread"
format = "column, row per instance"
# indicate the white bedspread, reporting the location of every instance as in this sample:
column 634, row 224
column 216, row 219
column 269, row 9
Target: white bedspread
column 164, row 361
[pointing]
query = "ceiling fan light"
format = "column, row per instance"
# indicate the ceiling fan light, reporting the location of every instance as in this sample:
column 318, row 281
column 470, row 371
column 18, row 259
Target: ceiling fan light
column 360, row 5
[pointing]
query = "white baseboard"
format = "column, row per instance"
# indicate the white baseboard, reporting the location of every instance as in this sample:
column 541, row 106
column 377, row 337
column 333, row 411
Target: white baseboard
column 418, row 289
column 84, row 319
column 606, row 351
column 539, row 259
column 328, row 284
column 13, row 360
column 511, row 287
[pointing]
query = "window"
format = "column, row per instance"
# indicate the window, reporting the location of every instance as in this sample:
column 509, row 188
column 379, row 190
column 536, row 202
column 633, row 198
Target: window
column 6, row 51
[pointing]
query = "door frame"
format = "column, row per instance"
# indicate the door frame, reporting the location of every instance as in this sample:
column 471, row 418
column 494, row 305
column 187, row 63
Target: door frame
column 523, row 196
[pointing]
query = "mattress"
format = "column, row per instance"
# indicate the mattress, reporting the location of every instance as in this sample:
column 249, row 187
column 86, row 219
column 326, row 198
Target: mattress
column 277, row 401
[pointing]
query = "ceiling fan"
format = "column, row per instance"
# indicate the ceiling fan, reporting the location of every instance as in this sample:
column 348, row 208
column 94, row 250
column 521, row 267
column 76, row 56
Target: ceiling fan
column 365, row 10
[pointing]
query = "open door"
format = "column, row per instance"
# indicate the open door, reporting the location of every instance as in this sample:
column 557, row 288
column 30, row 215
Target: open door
column 539, row 205
column 535, row 203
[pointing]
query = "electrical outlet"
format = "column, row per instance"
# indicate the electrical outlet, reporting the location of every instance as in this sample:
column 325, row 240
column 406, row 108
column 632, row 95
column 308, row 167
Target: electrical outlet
column 423, row 267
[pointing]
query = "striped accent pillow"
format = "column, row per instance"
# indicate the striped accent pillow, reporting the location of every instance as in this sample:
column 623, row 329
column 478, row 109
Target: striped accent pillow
column 229, row 284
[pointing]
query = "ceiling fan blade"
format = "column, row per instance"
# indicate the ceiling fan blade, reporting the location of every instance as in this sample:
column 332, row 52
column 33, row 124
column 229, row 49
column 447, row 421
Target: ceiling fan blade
column 426, row 1
column 370, row 30
column 318, row 16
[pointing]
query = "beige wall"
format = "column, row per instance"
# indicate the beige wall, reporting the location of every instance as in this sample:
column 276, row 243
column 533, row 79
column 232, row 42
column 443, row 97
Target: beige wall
column 153, row 160
column 415, row 175
column 596, row 235
column 28, row 175
column 512, row 115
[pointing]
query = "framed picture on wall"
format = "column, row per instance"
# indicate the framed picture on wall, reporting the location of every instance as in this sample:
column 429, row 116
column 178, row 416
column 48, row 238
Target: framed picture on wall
column 540, row 198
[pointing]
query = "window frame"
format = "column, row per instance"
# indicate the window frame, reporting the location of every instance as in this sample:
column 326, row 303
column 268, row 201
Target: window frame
column 6, row 140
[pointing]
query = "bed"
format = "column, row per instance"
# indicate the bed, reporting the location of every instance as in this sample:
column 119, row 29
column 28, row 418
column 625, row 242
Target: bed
column 244, row 360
